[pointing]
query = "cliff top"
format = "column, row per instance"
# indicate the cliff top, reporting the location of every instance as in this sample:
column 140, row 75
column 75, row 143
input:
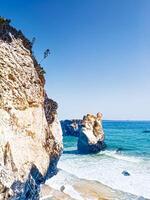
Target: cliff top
column 7, row 31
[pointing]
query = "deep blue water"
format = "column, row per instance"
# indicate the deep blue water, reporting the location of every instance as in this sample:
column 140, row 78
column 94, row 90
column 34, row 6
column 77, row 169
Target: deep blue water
column 129, row 137
column 132, row 137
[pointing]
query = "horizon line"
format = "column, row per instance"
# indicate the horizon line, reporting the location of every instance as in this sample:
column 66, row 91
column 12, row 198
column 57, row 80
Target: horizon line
column 132, row 120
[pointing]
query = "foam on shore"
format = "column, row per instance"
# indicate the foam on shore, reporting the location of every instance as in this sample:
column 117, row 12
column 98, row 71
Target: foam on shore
column 82, row 189
column 107, row 167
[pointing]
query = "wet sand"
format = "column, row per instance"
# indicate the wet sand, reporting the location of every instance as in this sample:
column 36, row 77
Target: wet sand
column 49, row 193
column 81, row 189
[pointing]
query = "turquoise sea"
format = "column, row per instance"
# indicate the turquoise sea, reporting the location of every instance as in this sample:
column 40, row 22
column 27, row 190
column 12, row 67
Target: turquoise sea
column 128, row 149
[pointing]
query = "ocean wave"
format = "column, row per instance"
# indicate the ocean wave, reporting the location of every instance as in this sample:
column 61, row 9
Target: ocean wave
column 120, row 156
column 117, row 154
column 107, row 167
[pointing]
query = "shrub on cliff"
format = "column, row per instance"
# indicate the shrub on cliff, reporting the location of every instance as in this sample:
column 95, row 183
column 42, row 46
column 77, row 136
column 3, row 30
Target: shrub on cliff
column 4, row 20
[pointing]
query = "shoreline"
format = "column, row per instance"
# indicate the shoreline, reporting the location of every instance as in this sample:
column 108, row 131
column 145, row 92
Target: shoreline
column 80, row 189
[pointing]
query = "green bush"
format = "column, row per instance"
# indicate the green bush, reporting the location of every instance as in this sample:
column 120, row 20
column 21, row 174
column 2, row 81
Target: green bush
column 4, row 20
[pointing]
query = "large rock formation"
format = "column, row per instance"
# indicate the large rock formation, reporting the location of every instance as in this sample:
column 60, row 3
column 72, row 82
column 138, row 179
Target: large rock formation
column 89, row 132
column 71, row 127
column 91, row 138
column 30, row 133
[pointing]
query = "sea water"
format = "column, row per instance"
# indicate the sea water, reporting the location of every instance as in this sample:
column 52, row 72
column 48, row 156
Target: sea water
column 128, row 149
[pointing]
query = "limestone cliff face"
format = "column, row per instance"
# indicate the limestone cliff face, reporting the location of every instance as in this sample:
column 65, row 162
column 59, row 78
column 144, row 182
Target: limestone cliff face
column 30, row 133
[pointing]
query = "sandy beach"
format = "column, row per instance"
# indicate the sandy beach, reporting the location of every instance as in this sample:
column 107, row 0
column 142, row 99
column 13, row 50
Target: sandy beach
column 79, row 189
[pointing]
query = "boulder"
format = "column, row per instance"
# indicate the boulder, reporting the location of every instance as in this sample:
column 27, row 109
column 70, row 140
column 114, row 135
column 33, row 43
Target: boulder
column 91, row 137
column 30, row 132
column 126, row 173
column 71, row 127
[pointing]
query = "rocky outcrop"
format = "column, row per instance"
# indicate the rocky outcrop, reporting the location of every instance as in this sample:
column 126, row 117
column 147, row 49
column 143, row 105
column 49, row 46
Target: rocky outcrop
column 71, row 127
column 89, row 132
column 30, row 132
column 91, row 138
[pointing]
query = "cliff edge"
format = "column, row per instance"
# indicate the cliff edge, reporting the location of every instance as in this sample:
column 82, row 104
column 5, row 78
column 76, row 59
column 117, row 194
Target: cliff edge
column 30, row 132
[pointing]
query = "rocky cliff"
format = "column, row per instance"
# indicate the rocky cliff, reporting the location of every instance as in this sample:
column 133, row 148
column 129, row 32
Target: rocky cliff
column 30, row 133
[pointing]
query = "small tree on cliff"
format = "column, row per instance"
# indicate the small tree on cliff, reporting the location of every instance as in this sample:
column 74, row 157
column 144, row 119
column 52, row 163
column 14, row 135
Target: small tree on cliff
column 33, row 41
column 46, row 54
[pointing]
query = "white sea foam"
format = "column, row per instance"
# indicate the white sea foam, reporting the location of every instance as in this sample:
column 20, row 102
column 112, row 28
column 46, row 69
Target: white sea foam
column 119, row 156
column 64, row 179
column 46, row 197
column 72, row 192
column 107, row 167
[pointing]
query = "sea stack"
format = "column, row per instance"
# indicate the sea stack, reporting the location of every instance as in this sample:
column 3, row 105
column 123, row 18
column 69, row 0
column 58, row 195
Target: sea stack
column 30, row 132
column 91, row 137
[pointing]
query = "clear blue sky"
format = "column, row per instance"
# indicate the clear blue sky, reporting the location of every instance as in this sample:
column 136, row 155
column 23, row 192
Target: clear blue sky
column 100, row 57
